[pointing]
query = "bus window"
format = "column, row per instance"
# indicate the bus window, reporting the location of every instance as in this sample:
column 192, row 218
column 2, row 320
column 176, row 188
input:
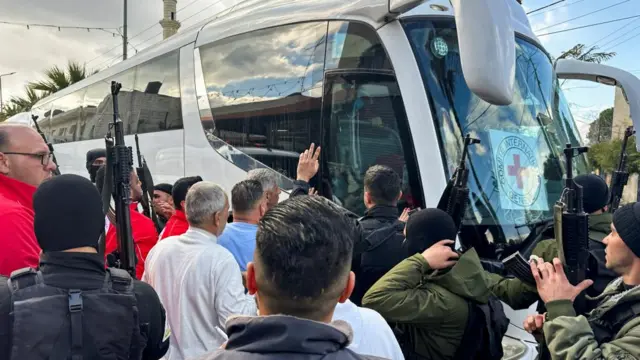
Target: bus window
column 265, row 92
column 66, row 114
column 157, row 96
column 364, row 119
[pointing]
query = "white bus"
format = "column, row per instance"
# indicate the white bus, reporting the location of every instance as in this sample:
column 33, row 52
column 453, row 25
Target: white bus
column 393, row 82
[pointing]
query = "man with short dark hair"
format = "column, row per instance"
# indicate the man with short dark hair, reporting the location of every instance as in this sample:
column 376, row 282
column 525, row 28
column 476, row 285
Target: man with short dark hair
column 25, row 162
column 117, row 317
column 249, row 203
column 382, row 229
column 301, row 270
column 177, row 224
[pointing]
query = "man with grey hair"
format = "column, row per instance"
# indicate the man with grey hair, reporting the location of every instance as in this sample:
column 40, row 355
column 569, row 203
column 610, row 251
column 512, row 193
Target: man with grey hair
column 269, row 180
column 198, row 281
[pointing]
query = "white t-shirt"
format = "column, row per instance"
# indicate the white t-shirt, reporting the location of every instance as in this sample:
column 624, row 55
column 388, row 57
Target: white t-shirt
column 371, row 333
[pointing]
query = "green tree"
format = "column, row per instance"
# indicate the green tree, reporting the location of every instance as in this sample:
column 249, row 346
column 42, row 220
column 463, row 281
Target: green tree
column 600, row 129
column 578, row 52
column 606, row 156
column 58, row 79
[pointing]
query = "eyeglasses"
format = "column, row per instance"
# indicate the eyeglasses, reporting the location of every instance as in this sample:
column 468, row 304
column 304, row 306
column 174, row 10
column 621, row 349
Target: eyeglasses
column 45, row 159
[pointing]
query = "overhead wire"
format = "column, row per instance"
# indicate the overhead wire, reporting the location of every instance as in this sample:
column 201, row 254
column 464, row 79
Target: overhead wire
column 613, row 32
column 556, row 8
column 60, row 27
column 584, row 15
column 589, row 25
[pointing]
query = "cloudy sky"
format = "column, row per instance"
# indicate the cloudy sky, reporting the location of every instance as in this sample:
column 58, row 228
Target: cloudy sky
column 29, row 51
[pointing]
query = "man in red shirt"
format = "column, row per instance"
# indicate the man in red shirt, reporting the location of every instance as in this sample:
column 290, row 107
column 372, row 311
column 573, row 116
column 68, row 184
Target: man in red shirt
column 143, row 230
column 177, row 224
column 25, row 162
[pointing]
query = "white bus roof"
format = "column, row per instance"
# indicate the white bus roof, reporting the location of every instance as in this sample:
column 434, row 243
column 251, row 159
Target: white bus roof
column 250, row 15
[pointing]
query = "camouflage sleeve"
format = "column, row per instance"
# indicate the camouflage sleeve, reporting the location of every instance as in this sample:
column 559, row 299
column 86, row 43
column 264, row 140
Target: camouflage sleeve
column 547, row 250
column 512, row 291
column 570, row 337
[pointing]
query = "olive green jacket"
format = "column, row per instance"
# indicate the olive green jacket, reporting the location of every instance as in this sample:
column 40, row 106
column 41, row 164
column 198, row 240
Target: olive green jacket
column 431, row 305
column 520, row 295
column 570, row 337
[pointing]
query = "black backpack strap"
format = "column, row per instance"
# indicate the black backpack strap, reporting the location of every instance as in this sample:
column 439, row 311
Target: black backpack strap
column 472, row 338
column 23, row 278
column 120, row 280
column 75, row 314
column 623, row 316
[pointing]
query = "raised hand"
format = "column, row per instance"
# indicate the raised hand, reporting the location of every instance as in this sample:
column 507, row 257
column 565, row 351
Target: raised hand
column 308, row 164
column 552, row 282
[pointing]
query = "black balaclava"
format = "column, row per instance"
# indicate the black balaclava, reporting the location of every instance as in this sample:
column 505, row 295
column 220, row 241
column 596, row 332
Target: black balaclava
column 67, row 213
column 165, row 188
column 427, row 227
column 92, row 155
column 595, row 192
column 627, row 223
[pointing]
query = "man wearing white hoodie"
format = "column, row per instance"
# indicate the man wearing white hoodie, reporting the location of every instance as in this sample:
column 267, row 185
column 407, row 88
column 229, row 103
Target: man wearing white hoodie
column 198, row 281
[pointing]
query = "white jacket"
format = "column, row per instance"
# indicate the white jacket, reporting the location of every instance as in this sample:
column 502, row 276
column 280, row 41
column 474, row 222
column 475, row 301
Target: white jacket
column 200, row 285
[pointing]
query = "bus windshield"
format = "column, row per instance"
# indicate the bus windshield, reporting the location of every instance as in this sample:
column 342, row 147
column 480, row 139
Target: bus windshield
column 516, row 172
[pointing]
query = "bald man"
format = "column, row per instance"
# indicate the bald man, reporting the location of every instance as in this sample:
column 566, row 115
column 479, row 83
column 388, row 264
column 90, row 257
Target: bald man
column 25, row 162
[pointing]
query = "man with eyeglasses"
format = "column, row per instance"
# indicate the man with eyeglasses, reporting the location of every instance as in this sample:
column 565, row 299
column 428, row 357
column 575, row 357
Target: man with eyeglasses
column 25, row 162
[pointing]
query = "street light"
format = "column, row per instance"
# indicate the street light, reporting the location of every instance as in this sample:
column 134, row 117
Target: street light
column 7, row 74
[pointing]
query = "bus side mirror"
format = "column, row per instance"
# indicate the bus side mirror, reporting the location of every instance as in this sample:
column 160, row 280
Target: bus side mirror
column 571, row 69
column 487, row 46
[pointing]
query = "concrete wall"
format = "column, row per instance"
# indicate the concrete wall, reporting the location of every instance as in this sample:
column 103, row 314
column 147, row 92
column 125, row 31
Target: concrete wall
column 621, row 115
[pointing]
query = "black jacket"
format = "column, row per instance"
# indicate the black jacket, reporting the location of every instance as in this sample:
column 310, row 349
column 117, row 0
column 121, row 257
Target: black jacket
column 383, row 234
column 86, row 271
column 285, row 337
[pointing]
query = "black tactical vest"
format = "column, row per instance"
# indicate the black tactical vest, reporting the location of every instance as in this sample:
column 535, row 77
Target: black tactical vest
column 51, row 323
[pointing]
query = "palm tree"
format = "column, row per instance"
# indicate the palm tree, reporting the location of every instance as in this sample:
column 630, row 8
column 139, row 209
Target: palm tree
column 58, row 79
column 578, row 52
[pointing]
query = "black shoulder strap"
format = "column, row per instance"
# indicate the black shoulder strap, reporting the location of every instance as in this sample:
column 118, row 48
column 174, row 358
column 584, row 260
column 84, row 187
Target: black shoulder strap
column 623, row 315
column 23, row 278
column 398, row 226
column 75, row 313
column 472, row 335
column 120, row 280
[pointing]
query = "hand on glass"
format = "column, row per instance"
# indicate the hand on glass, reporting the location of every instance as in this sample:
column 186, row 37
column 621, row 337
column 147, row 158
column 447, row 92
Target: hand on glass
column 308, row 164
column 552, row 283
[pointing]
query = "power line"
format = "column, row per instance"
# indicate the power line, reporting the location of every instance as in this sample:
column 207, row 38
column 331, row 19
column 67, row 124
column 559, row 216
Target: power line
column 544, row 7
column 559, row 7
column 136, row 35
column 613, row 32
column 621, row 36
column 587, row 26
column 581, row 16
column 60, row 27
column 622, row 42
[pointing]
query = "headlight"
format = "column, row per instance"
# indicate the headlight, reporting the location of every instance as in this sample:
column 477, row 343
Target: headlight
column 513, row 349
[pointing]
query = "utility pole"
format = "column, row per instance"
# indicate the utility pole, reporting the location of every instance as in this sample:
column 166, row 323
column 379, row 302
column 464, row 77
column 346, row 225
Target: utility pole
column 1, row 104
column 125, row 41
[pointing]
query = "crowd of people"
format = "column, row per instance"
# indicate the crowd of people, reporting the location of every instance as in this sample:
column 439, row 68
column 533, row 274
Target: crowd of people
column 298, row 279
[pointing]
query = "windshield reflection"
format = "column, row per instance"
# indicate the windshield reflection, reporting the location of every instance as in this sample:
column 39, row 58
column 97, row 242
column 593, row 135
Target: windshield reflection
column 516, row 171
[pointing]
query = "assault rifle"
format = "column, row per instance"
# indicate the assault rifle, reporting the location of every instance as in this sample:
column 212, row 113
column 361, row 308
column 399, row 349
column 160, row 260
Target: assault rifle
column 56, row 172
column 117, row 182
column 621, row 175
column 146, row 180
column 572, row 227
column 455, row 198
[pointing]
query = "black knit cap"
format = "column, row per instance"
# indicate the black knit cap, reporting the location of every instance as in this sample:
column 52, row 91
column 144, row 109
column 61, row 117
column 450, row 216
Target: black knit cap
column 180, row 189
column 427, row 227
column 595, row 191
column 166, row 188
column 627, row 223
column 67, row 213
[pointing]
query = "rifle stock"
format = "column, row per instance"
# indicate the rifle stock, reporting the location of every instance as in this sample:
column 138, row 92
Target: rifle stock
column 55, row 172
column 144, row 174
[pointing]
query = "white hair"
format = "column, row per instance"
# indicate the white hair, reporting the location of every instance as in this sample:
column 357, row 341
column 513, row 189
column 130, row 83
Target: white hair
column 203, row 200
column 268, row 178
